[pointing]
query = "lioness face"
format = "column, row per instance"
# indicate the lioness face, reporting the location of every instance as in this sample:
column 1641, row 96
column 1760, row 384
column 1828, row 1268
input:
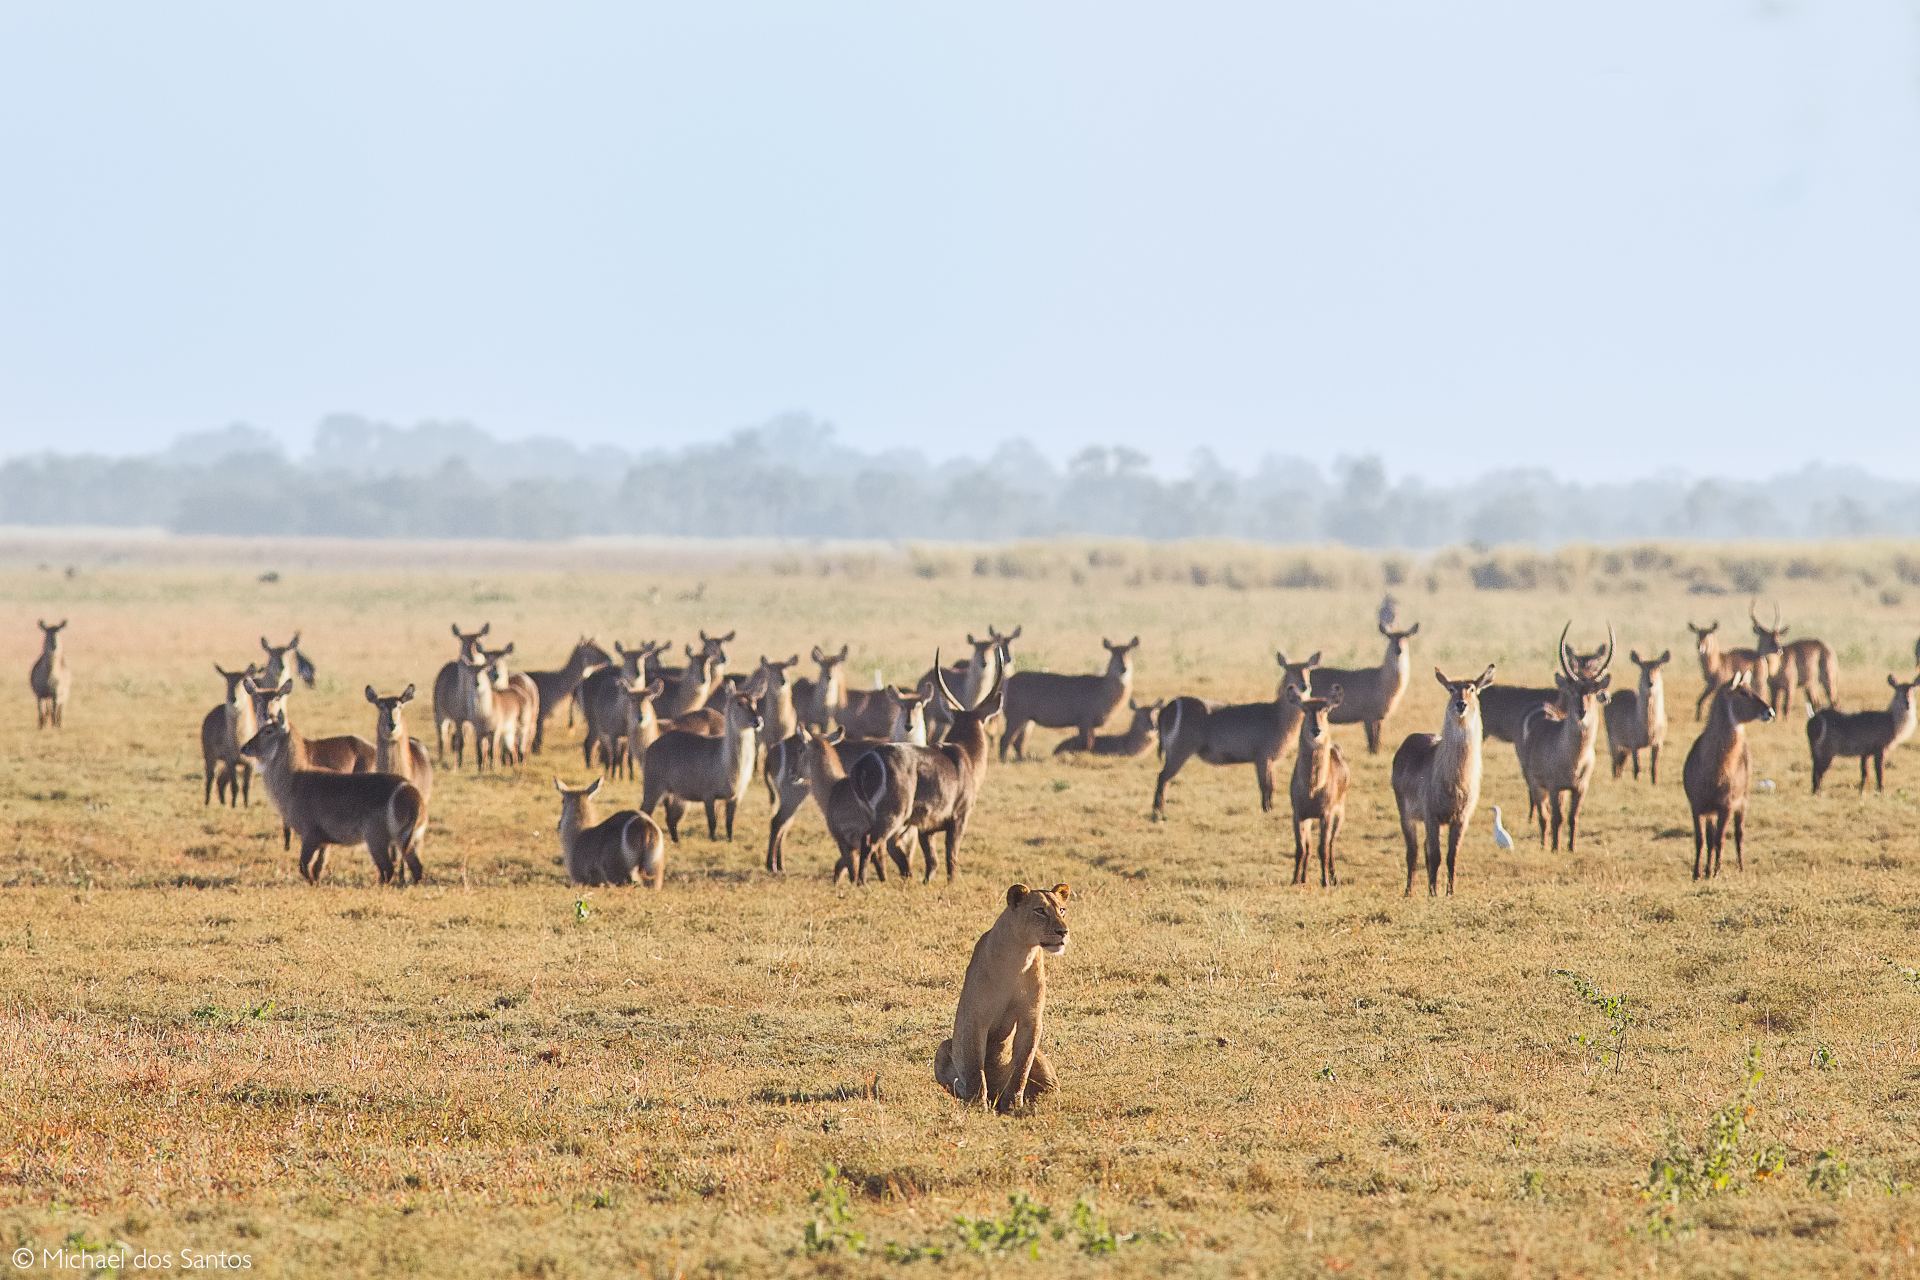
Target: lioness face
column 1041, row 915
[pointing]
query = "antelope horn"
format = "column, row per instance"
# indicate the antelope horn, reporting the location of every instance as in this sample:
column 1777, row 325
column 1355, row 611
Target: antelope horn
column 940, row 678
column 1566, row 654
column 1609, row 662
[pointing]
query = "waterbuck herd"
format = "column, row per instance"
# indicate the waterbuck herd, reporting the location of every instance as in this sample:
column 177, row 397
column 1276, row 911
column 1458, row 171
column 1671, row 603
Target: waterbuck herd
column 891, row 769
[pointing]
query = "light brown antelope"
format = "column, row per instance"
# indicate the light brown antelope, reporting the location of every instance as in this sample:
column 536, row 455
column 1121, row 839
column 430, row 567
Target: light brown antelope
column 1436, row 779
column 1319, row 790
column 223, row 731
column 777, row 716
column 689, row 768
column 923, row 790
column 285, row 658
column 788, row 771
column 526, row 724
column 1637, row 718
column 1719, row 665
column 385, row 813
column 1372, row 692
column 624, row 849
column 393, row 750
column 51, row 679
column 1795, row 665
column 1056, row 701
column 452, row 704
column 496, row 711
column 1142, row 735
column 1556, row 745
column 1255, row 733
column 1718, row 772
column 563, row 686
column 1866, row 734
column 341, row 753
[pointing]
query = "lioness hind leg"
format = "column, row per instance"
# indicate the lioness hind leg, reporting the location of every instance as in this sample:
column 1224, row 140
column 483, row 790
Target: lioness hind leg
column 943, row 1071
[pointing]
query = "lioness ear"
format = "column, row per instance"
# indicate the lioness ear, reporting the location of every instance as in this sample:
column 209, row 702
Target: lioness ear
column 1015, row 893
column 1061, row 891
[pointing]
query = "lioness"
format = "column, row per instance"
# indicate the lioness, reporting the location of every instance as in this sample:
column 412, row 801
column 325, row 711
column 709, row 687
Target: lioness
column 994, row 1054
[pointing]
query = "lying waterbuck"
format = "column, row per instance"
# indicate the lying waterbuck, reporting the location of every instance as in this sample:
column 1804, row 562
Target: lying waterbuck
column 1319, row 790
column 385, row 813
column 1055, row 701
column 1637, row 718
column 1372, row 692
column 1719, row 770
column 1867, row 734
column 223, row 731
column 563, row 686
column 51, row 679
column 1556, row 744
column 451, row 704
column 393, row 750
column 1718, row 665
column 691, row 768
column 1796, row 665
column 624, row 849
column 789, row 771
column 922, row 790
column 1436, row 778
column 282, row 658
column 1255, row 733
column 1142, row 735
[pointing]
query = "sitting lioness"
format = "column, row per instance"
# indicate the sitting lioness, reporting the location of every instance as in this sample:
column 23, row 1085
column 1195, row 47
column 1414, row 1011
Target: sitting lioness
column 994, row 1056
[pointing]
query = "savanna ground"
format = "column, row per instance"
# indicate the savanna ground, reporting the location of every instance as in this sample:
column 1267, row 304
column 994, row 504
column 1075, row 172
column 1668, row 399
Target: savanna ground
column 498, row 1073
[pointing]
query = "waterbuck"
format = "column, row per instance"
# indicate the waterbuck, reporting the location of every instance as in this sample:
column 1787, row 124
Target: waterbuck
column 618, row 707
column 1372, row 692
column 451, row 703
column 556, row 687
column 282, row 658
column 1142, row 735
column 1256, row 733
column 1556, row 744
column 498, row 712
column 1055, row 701
column 1718, row 665
column 1319, row 790
column 1718, row 771
column 689, row 687
column 1794, row 666
column 385, row 813
column 341, row 753
column 789, row 773
column 922, row 790
column 223, row 731
column 683, row 768
column 1504, row 708
column 525, row 709
column 818, row 700
column 1867, row 734
column 393, row 750
column 823, row 765
column 1637, row 718
column 1436, row 778
column 624, row 849
column 972, row 675
column 50, row 678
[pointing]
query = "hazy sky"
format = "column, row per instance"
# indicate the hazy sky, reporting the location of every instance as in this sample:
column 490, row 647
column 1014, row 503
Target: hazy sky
column 1614, row 236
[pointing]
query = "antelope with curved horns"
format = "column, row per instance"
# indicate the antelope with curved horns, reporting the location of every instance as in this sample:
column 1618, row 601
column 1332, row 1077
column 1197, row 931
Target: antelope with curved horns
column 1556, row 745
column 1796, row 665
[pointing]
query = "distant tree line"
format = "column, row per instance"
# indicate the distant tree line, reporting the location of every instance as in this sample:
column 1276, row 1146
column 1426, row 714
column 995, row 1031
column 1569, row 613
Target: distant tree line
column 790, row 478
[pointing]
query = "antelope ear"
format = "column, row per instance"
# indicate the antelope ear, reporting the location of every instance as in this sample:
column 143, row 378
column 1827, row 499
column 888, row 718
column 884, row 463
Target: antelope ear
column 1892, row 683
column 559, row 786
column 655, row 688
column 1134, row 643
column 794, row 661
column 406, row 695
column 372, row 697
column 1413, row 631
column 817, row 655
column 1313, row 659
column 1486, row 677
column 1062, row 891
column 594, row 785
column 1334, row 696
column 1666, row 656
column 285, row 689
column 1633, row 656
column 263, row 642
column 1015, row 893
column 844, row 651
column 509, row 649
column 1440, row 678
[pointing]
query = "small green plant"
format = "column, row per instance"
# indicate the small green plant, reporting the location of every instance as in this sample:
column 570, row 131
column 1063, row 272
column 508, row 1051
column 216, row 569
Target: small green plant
column 1830, row 1174
column 1612, row 1007
column 580, row 909
column 1019, row 1229
column 831, row 1230
column 1822, row 1058
column 1911, row 975
column 1327, row 1073
column 1683, row 1172
column 1533, row 1185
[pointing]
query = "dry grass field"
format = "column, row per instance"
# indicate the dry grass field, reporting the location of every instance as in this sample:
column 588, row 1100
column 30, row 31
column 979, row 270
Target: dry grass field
column 496, row 1073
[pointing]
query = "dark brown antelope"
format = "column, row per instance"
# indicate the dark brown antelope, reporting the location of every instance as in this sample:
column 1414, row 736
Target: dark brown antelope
column 285, row 658
column 50, row 678
column 563, row 686
column 689, row 687
column 1795, row 665
column 1718, row 665
column 789, row 772
column 990, row 660
column 1556, row 744
column 385, row 813
column 1372, row 692
column 824, row 765
column 923, row 790
column 1637, row 718
column 1055, row 701
column 624, row 849
column 1504, row 708
column 1718, row 772
column 341, row 753
column 619, row 710
column 818, row 700
column 1255, row 733
column 1436, row 779
column 1319, row 790
column 1866, row 734
column 393, row 750
column 452, row 704
column 1142, row 735
column 690, row 768
column 223, row 731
